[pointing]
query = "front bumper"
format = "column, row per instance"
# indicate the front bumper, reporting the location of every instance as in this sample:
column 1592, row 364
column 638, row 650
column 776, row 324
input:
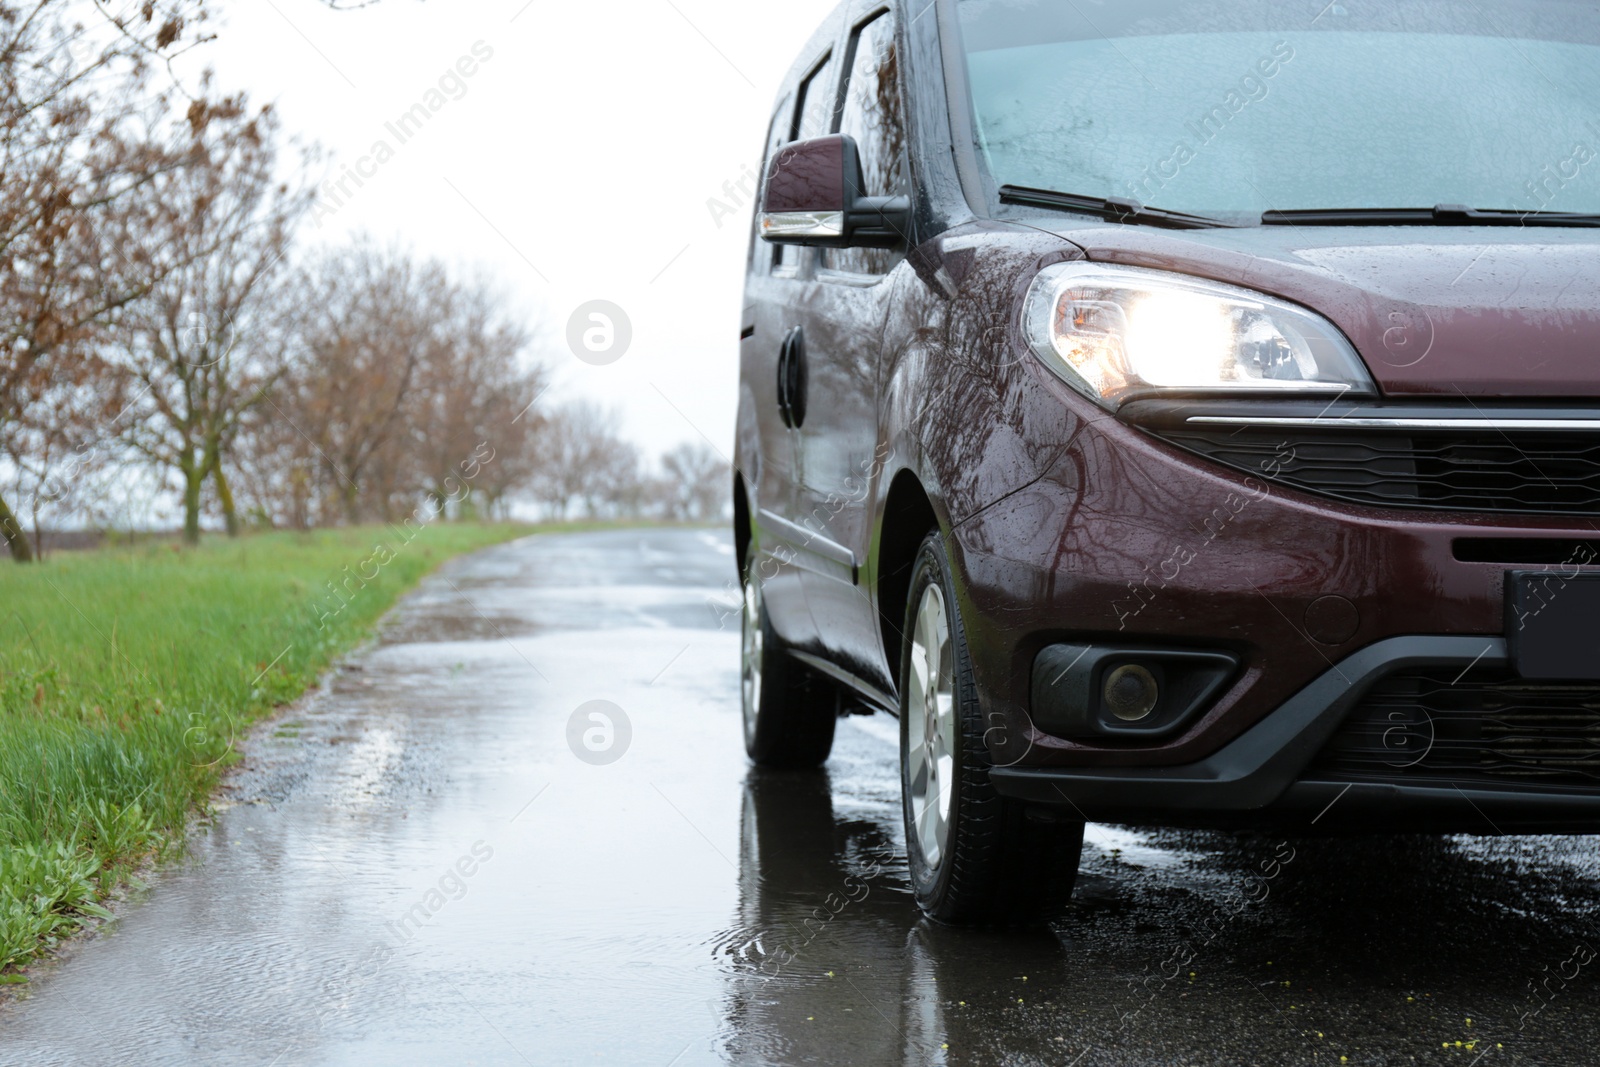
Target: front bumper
column 1125, row 540
column 1261, row 778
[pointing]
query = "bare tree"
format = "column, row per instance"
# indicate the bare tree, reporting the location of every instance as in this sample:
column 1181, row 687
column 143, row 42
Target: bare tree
column 58, row 453
column 78, row 99
column 472, row 388
column 401, row 373
column 367, row 319
column 516, row 427
column 584, row 461
column 696, row 482
column 614, row 485
column 203, row 345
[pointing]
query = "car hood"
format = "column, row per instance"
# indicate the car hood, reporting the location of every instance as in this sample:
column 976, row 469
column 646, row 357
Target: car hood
column 1472, row 311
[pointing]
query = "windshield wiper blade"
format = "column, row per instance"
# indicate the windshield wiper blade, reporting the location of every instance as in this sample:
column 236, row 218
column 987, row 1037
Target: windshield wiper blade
column 1107, row 207
column 1440, row 215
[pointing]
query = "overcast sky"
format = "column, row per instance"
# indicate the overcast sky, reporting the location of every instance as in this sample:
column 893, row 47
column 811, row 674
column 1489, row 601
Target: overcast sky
column 575, row 163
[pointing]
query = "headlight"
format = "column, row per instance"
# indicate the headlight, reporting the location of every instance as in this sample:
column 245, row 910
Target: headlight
column 1115, row 333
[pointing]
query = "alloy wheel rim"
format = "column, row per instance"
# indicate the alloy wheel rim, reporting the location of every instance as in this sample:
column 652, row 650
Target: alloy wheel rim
column 750, row 671
column 931, row 727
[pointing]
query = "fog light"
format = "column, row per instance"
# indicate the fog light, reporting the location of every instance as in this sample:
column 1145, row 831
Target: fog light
column 1089, row 691
column 1131, row 693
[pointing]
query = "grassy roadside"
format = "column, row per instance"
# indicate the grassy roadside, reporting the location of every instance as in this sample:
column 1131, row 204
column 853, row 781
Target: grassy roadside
column 125, row 676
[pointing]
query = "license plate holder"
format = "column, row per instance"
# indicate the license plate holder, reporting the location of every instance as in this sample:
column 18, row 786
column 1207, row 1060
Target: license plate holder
column 1553, row 624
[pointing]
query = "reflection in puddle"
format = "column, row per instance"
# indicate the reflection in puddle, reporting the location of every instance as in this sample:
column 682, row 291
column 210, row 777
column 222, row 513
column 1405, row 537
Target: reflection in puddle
column 369, row 763
column 829, row 960
column 1137, row 848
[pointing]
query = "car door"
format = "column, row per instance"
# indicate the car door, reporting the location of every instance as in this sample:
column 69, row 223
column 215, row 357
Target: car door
column 775, row 291
column 841, row 321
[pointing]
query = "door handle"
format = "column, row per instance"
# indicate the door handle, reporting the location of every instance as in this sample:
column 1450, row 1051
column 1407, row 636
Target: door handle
column 783, row 381
column 792, row 379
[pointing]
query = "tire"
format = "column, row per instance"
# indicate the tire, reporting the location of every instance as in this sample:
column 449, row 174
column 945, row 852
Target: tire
column 975, row 857
column 789, row 714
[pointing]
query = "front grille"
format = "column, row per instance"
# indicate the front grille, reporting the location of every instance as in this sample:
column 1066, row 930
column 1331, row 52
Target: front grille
column 1520, row 472
column 1484, row 727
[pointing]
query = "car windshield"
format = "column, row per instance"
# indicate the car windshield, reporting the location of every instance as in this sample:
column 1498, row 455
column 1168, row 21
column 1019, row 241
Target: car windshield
column 1231, row 108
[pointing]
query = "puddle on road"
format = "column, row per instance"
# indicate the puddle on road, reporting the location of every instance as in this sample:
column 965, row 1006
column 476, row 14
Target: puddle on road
column 1136, row 848
column 462, row 626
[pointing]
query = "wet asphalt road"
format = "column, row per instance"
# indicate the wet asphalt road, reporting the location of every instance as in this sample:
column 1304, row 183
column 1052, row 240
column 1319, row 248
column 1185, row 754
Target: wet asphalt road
column 417, row 867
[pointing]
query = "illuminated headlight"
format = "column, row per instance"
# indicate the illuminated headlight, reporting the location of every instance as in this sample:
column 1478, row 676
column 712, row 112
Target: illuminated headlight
column 1115, row 333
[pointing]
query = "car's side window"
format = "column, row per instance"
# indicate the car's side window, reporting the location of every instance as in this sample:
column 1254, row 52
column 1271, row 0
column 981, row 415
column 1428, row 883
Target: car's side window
column 813, row 117
column 777, row 135
column 873, row 115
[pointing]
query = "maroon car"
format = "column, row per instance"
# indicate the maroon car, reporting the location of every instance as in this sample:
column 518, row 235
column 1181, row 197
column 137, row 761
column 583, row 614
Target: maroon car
column 1180, row 413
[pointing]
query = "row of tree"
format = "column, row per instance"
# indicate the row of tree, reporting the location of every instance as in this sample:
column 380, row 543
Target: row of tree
column 161, row 324
column 583, row 466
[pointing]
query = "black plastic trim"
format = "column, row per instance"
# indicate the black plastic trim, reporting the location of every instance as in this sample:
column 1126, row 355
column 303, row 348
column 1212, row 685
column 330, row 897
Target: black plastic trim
column 1435, row 807
column 1549, row 624
column 976, row 186
column 1531, row 551
column 1258, row 767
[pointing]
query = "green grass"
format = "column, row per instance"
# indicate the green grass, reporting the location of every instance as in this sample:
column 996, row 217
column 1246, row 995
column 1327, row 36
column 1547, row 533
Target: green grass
column 126, row 676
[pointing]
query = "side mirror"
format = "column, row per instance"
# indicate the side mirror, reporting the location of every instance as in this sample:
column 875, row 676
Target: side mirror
column 813, row 197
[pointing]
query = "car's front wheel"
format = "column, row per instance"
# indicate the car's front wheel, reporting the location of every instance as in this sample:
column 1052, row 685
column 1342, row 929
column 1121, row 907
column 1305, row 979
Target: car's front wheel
column 975, row 857
column 789, row 714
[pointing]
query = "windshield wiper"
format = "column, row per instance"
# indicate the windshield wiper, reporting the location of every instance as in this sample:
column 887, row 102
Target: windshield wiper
column 1441, row 215
column 1106, row 207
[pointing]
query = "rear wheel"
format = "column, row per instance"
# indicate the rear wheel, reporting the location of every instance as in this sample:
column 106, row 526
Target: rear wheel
column 975, row 857
column 789, row 714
